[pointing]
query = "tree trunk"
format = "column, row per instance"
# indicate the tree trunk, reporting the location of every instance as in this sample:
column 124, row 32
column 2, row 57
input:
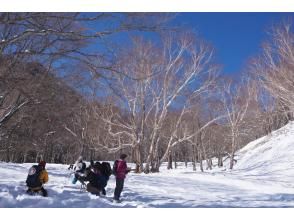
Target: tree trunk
column 12, row 158
column 38, row 158
column 170, row 161
column 7, row 154
column 232, row 160
column 175, row 160
column 201, row 149
column 194, row 165
column 201, row 166
column 220, row 161
column 25, row 156
column 234, row 142
column 209, row 164
column 149, row 161
column 201, row 161
column 194, row 156
column 157, row 164
column 138, row 160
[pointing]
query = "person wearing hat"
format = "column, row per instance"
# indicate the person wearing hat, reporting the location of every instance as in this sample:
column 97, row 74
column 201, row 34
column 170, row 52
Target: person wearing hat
column 120, row 170
column 36, row 178
column 96, row 181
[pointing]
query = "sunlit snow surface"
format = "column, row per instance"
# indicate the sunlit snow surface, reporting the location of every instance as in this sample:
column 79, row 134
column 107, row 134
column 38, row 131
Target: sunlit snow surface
column 263, row 177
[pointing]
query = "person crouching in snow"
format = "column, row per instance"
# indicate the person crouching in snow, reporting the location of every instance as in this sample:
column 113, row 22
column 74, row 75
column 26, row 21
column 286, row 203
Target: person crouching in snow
column 36, row 178
column 120, row 170
column 97, row 169
column 96, row 181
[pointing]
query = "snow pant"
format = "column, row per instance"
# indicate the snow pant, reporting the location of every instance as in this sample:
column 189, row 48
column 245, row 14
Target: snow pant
column 118, row 188
column 92, row 189
column 42, row 190
column 103, row 191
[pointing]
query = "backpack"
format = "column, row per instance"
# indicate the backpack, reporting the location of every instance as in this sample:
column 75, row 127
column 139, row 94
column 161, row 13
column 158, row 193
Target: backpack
column 106, row 169
column 114, row 169
column 33, row 178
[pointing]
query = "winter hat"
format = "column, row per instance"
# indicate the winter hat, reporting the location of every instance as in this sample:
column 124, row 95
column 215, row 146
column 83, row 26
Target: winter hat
column 42, row 163
column 123, row 156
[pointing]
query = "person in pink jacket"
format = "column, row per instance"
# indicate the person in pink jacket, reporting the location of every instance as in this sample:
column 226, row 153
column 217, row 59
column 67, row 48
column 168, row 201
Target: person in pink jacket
column 120, row 170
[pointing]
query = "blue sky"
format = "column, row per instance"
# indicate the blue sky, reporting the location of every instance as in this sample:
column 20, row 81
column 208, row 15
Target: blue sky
column 235, row 36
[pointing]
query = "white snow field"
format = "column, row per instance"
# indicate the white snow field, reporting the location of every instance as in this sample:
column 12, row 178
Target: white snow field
column 263, row 177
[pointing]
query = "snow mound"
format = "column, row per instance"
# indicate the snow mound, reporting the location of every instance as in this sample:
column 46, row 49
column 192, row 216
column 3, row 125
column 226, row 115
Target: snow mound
column 269, row 156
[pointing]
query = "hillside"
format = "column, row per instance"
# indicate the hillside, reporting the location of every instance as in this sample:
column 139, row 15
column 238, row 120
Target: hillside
column 270, row 157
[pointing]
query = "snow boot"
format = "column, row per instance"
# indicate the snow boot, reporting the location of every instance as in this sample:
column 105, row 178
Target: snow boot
column 116, row 201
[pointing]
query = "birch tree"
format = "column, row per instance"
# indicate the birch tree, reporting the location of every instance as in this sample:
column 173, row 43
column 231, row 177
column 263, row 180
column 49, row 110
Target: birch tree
column 157, row 77
column 236, row 99
column 275, row 66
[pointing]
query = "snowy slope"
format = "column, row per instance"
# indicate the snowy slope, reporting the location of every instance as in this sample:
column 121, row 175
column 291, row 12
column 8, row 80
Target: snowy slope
column 270, row 157
column 263, row 177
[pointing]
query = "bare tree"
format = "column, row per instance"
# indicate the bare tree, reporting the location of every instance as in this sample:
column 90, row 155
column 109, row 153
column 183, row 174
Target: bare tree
column 54, row 40
column 159, row 78
column 275, row 67
column 236, row 99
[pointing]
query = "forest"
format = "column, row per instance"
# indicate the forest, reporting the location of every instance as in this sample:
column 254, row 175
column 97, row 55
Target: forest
column 99, row 84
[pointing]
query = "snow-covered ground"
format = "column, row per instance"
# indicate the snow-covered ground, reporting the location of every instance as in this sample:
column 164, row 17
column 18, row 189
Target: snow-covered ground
column 263, row 177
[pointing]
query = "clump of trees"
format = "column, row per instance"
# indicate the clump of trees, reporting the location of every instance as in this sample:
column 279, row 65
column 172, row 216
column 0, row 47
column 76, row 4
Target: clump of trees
column 160, row 98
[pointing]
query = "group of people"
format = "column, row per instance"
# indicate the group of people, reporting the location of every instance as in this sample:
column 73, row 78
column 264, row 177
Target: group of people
column 96, row 174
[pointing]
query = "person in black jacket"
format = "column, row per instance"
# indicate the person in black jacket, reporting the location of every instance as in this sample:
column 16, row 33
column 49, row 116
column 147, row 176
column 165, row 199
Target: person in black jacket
column 96, row 181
